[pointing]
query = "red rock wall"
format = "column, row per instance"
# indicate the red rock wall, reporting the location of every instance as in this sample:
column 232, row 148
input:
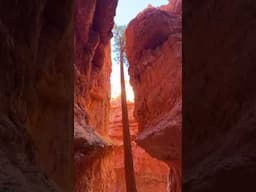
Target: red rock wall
column 154, row 55
column 100, row 166
column 94, row 20
column 36, row 108
column 219, row 75
column 94, row 171
column 151, row 174
column 93, row 25
column 115, row 121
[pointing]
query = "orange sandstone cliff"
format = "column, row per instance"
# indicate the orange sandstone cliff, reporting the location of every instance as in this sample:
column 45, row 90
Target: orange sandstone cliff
column 154, row 54
column 94, row 20
column 151, row 174
column 98, row 147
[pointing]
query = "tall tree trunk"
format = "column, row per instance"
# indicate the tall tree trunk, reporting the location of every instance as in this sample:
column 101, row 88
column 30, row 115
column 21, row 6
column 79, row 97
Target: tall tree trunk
column 128, row 160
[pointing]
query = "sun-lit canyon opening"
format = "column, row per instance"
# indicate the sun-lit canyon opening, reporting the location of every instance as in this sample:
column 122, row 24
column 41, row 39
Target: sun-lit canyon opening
column 115, row 81
column 150, row 173
column 150, row 40
column 60, row 112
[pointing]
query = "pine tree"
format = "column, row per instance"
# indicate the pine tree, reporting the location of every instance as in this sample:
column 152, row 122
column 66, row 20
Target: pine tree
column 120, row 57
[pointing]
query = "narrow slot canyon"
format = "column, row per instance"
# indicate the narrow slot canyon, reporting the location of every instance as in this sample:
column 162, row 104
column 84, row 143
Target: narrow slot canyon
column 153, row 50
column 60, row 126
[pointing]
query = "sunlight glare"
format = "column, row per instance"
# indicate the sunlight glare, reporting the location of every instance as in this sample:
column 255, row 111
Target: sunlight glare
column 115, row 84
column 126, row 11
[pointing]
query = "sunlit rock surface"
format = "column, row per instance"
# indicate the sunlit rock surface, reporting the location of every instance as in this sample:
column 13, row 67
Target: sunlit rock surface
column 150, row 173
column 94, row 20
column 93, row 25
column 115, row 123
column 36, row 94
column 99, row 163
column 92, row 69
column 154, row 54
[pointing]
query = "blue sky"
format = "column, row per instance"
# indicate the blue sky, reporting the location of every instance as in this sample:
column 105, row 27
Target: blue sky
column 126, row 11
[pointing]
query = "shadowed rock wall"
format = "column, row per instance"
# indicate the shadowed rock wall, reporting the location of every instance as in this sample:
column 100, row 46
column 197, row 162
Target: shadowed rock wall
column 36, row 109
column 219, row 96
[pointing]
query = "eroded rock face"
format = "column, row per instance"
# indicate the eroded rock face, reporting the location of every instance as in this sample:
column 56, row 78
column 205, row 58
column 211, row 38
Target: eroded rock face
column 93, row 25
column 94, row 21
column 219, row 127
column 151, row 174
column 154, row 54
column 115, row 122
column 36, row 108
column 94, row 167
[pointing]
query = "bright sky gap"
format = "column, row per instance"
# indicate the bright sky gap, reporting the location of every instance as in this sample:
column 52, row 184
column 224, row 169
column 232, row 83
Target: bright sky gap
column 126, row 11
